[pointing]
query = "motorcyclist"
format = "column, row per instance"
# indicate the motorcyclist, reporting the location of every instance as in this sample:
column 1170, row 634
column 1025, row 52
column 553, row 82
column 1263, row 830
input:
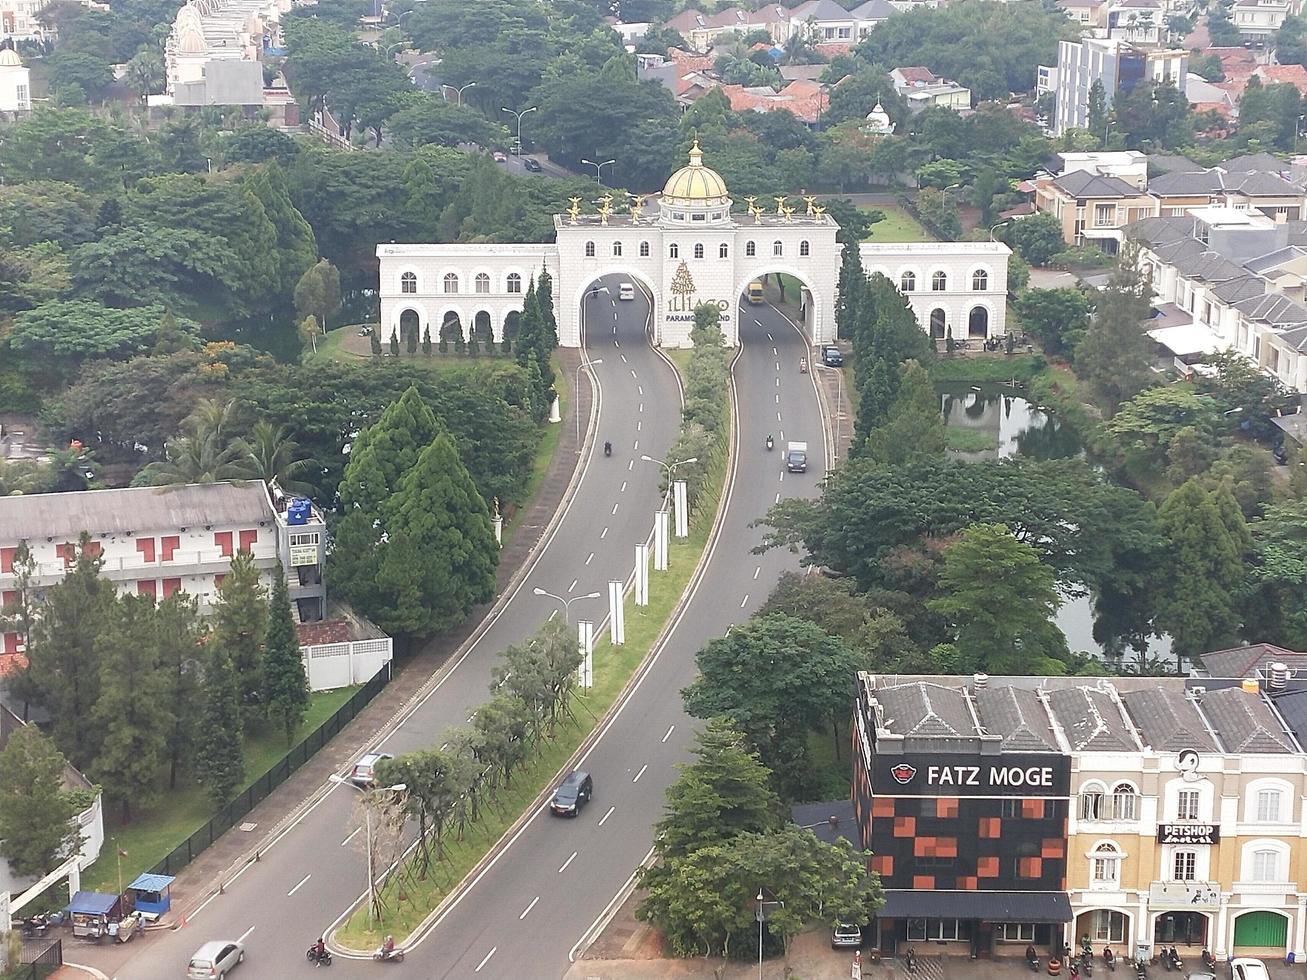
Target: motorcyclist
column 1031, row 952
column 388, row 947
column 608, row 448
column 320, row 948
column 770, row 441
column 1109, row 957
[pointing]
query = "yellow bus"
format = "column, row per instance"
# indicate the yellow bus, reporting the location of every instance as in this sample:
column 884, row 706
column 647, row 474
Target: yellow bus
column 755, row 292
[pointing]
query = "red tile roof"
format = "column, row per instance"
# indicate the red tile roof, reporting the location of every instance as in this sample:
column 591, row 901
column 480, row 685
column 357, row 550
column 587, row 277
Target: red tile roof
column 327, row 631
column 11, row 663
column 805, row 99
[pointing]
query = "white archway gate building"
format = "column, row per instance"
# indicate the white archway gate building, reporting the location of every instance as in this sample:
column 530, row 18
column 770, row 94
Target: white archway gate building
column 693, row 250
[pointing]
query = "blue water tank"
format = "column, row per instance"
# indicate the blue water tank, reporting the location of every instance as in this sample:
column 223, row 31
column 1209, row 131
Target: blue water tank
column 298, row 511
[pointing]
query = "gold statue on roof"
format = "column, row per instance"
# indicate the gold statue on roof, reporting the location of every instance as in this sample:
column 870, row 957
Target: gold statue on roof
column 788, row 212
column 780, row 204
column 811, row 202
column 637, row 205
column 757, row 213
column 575, row 209
column 605, row 208
column 818, row 211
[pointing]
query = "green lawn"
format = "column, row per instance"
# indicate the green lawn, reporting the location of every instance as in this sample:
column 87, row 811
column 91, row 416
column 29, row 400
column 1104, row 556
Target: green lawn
column 969, row 440
column 155, row 831
column 898, row 226
column 545, row 450
column 331, row 348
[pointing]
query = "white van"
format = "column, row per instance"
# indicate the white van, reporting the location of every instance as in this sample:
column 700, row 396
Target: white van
column 626, row 290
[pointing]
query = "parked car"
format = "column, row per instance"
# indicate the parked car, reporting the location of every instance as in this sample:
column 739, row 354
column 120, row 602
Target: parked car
column 499, row 156
column 572, row 794
column 362, row 773
column 1247, row 968
column 533, row 165
column 845, row 935
column 215, row 959
column 831, row 356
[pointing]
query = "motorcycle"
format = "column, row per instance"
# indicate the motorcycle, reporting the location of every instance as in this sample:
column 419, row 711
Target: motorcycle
column 383, row 955
column 1173, row 961
column 1087, row 963
column 770, row 443
column 803, row 365
column 911, row 960
column 1209, row 961
column 1109, row 958
column 1073, row 970
column 35, row 925
column 608, row 448
column 1141, row 969
column 316, row 958
column 1033, row 963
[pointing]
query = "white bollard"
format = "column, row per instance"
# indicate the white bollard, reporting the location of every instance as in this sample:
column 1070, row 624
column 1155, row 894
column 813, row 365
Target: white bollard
column 616, row 614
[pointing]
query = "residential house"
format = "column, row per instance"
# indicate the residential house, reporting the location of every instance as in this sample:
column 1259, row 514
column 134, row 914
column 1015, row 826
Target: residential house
column 871, row 15
column 1257, row 20
column 702, row 30
column 1268, row 193
column 1140, row 22
column 1090, row 207
column 805, row 100
column 1130, row 165
column 1089, row 14
column 923, row 89
column 1117, row 65
column 825, row 22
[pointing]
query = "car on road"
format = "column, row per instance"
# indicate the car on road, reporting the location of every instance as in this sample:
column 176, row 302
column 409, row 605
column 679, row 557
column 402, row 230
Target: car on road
column 1247, row 968
column 362, row 774
column 499, row 156
column 845, row 935
column 831, row 356
column 626, row 290
column 796, row 457
column 215, row 959
column 572, row 794
column 533, row 165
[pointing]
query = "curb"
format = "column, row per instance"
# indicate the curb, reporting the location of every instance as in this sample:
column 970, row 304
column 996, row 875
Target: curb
column 396, row 719
column 86, row 969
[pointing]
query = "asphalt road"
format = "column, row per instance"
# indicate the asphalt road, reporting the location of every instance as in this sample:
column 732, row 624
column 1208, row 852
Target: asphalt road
column 279, row 905
column 527, row 913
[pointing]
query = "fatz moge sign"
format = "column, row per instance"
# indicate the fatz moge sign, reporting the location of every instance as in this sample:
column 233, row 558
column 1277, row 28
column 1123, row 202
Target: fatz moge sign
column 1010, row 774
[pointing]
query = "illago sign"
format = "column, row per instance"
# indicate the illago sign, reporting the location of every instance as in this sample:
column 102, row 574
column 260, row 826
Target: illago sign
column 1188, row 833
column 1011, row 774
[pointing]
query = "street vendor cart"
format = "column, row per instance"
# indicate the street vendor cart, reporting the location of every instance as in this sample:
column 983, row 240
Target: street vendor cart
column 91, row 913
column 151, row 895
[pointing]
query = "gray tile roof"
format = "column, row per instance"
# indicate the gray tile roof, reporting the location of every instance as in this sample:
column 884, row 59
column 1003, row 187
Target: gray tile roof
column 874, row 10
column 1019, row 716
column 1295, row 337
column 1184, row 184
column 1081, row 183
column 1091, row 720
column 1260, row 183
column 1244, row 722
column 1162, row 229
column 133, row 509
column 1254, row 161
column 1274, row 309
column 1166, row 163
column 1234, row 290
column 1243, row 661
column 925, row 709
column 1168, row 721
column 1253, row 183
column 1275, row 260
column 1208, row 267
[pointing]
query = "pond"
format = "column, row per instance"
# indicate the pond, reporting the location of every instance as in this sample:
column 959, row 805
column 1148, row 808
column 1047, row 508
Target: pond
column 994, row 422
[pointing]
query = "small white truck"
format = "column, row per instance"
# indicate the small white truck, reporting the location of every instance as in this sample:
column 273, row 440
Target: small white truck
column 796, row 457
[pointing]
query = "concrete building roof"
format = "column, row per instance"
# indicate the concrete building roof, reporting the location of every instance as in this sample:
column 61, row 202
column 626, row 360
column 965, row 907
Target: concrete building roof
column 1244, row 723
column 126, row 511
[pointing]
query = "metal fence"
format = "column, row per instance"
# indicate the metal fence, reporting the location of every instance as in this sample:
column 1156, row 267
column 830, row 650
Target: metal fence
column 256, row 792
column 34, row 965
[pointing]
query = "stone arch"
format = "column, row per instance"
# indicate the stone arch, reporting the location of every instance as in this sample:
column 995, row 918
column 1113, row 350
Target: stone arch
column 451, row 326
column 938, row 323
column 978, row 323
column 410, row 322
column 483, row 327
column 588, row 282
column 813, row 303
column 512, row 325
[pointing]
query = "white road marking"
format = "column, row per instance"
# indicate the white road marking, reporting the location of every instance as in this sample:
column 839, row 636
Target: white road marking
column 614, row 508
column 616, row 343
column 591, row 558
column 443, row 746
column 782, row 433
column 778, row 500
column 614, row 315
column 623, row 490
column 778, row 416
column 572, row 587
column 640, row 773
column 775, row 352
column 778, row 366
column 769, row 336
column 297, row 887
column 634, row 375
column 604, row 534
column 526, row 911
column 782, row 476
column 778, row 382
column 638, row 425
column 605, row 817
column 623, row 357
column 755, row 572
column 245, row 935
column 630, row 466
column 669, row 733
column 744, row 600
column 355, row 833
column 641, row 408
column 778, row 398
column 492, row 948
column 640, row 390
column 635, row 447
column 567, row 862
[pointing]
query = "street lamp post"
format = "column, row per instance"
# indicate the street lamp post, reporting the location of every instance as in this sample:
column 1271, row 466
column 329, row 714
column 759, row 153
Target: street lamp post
column 761, row 916
column 1006, row 221
column 598, row 168
column 459, row 89
column 567, row 603
column 367, row 814
column 577, row 387
column 518, row 116
column 668, row 468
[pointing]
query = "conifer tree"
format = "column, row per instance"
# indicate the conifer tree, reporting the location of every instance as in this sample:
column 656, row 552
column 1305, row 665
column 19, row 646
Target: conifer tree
column 285, row 687
column 240, row 622
column 36, row 815
column 545, row 301
column 220, row 757
column 179, row 632
column 426, row 341
column 385, row 451
column 394, row 343
column 374, row 340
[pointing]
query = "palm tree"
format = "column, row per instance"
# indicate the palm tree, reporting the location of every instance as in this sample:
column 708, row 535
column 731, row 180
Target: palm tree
column 270, row 455
column 196, row 457
column 145, row 74
column 211, row 418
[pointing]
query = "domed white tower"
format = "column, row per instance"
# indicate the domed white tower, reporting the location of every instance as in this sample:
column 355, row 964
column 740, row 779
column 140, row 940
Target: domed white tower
column 695, row 195
column 878, row 122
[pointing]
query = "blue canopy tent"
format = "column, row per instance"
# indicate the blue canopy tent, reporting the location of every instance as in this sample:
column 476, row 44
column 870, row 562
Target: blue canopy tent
column 152, row 894
column 92, row 912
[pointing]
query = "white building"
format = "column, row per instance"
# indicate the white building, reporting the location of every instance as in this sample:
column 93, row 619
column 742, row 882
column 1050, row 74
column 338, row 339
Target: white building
column 1258, row 19
column 1119, row 66
column 952, row 287
column 15, row 84
column 693, row 250
column 160, row 540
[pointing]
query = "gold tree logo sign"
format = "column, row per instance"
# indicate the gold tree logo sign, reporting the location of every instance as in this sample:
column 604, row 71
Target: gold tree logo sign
column 682, row 289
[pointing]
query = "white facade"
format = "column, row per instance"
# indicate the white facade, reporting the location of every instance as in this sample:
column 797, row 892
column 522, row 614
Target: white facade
column 1113, row 63
column 952, row 287
column 1261, row 18
column 15, row 83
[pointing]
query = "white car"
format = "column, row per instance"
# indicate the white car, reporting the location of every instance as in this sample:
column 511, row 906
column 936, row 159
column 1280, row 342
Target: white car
column 362, row 774
column 215, row 959
column 1247, row 968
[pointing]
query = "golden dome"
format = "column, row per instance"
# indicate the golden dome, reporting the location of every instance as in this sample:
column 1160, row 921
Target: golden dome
column 9, row 58
column 695, row 182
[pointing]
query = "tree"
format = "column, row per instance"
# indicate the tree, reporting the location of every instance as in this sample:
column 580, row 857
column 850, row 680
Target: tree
column 271, row 455
column 131, row 714
column 1206, row 543
column 776, row 678
column 220, row 756
column 1145, row 426
column 385, row 451
column 437, row 782
column 1058, row 318
column 1098, row 113
column 318, row 292
column 295, row 247
column 913, row 426
column 67, row 331
column 1153, row 115
column 22, row 603
column 37, row 829
column 1291, row 41
column 1000, row 599
column 240, row 621
column 1114, row 357
column 145, row 74
column 285, row 686
column 179, row 632
column 82, row 70
column 435, row 121
column 1037, row 237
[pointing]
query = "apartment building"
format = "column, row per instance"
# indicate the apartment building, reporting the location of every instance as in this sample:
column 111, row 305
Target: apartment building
column 159, row 540
column 1118, row 65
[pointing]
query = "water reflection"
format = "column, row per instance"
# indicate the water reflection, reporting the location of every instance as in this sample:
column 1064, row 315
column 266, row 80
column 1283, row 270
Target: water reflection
column 1006, row 423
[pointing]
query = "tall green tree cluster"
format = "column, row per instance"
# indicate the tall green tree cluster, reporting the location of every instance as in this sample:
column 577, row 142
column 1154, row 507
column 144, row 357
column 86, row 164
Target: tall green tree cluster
column 537, row 337
column 37, row 829
column 414, row 548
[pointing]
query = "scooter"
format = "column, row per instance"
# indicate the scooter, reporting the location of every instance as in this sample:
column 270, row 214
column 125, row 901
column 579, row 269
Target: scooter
column 1173, row 961
column 770, row 443
column 1141, row 969
column 608, row 448
column 1033, row 963
column 35, row 925
column 316, row 958
column 1209, row 961
column 382, row 955
column 911, row 960
column 803, row 365
column 1109, row 958
column 1087, row 962
column 1073, row 969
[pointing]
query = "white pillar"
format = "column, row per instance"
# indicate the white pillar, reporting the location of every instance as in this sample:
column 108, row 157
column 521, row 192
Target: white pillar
column 1299, row 947
column 617, row 614
column 682, row 509
column 585, row 638
column 660, row 541
column 642, row 575
column 1221, row 947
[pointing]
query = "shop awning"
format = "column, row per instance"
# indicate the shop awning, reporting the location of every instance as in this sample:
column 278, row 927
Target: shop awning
column 986, row 906
column 92, row 903
column 151, row 883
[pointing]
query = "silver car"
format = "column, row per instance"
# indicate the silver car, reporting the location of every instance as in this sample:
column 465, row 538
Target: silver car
column 215, row 959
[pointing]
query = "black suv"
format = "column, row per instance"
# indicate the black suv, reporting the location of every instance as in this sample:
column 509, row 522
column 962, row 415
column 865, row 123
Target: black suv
column 831, row 357
column 573, row 793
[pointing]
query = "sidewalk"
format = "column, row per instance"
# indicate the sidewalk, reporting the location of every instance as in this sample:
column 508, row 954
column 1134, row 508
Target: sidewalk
column 203, row 876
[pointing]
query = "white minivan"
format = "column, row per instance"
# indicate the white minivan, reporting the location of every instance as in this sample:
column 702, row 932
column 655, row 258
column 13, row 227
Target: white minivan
column 626, row 290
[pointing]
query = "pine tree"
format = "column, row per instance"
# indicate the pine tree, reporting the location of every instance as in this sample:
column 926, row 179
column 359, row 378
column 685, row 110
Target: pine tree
column 131, row 712
column 178, row 623
column 385, row 450
column 240, row 622
column 296, row 247
column 411, row 341
column 438, row 509
column 545, row 301
column 220, row 756
column 36, row 815
column 426, row 341
column 852, row 276
column 286, row 689
column 913, row 426
column 394, row 343
column 374, row 339
column 1115, row 354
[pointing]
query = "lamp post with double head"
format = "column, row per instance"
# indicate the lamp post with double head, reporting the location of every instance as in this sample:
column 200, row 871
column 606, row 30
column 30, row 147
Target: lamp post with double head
column 369, row 794
column 567, row 603
column 598, row 168
column 518, row 116
column 668, row 468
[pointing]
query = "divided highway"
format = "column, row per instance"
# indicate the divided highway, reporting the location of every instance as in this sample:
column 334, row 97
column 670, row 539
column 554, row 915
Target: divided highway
column 279, row 905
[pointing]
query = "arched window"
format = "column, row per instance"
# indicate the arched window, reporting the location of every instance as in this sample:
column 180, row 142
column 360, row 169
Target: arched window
column 803, row 248
column 698, row 250
column 1267, row 806
column 723, row 251
column 750, row 249
column 777, row 248
column 617, row 249
column 939, row 281
column 1091, row 802
column 589, row 250
column 1124, row 800
column 408, row 282
column 482, row 283
column 1266, row 864
column 908, row 282
column 979, row 281
column 514, row 283
column 673, row 251
column 1105, row 864
column 644, row 250
column 451, row 282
